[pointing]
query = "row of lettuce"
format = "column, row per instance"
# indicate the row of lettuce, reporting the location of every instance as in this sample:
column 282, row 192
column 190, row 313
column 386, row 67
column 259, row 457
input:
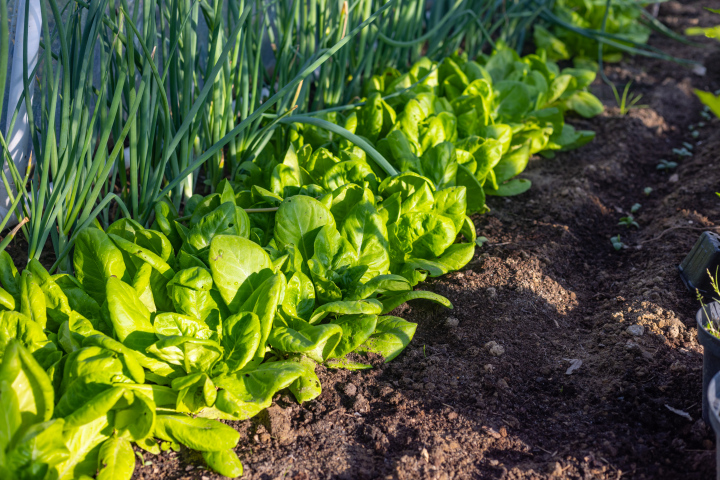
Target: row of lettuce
column 457, row 123
column 296, row 260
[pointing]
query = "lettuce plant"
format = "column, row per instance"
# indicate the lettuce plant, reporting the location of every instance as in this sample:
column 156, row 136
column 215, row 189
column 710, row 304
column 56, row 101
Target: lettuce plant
column 162, row 332
column 456, row 123
column 618, row 20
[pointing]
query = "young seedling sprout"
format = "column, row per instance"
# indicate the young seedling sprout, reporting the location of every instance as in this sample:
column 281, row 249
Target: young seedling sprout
column 628, row 221
column 682, row 152
column 635, row 208
column 617, row 243
column 666, row 165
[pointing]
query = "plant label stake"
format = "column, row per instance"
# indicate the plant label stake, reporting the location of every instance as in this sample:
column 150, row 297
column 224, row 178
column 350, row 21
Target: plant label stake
column 703, row 258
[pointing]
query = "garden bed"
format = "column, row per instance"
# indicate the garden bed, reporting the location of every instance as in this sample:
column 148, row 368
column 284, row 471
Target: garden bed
column 547, row 287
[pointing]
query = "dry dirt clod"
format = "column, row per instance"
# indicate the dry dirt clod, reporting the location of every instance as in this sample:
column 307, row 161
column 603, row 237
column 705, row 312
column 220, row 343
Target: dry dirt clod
column 673, row 331
column 452, row 322
column 677, row 367
column 350, row 390
column 277, row 422
column 491, row 292
column 362, row 405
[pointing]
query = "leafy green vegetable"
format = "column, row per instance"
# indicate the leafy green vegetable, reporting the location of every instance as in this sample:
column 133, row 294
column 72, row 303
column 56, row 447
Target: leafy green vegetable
column 96, row 259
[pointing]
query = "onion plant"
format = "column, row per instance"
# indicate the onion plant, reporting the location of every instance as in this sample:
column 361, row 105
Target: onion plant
column 398, row 38
column 156, row 99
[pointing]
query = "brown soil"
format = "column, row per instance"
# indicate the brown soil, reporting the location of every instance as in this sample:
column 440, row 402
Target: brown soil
column 550, row 290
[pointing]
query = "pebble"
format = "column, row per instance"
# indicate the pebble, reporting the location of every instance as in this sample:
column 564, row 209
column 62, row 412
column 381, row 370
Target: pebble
column 492, row 293
column 350, row 390
column 489, row 368
column 494, row 348
column 452, row 322
column 502, row 383
column 674, row 178
column 636, row 330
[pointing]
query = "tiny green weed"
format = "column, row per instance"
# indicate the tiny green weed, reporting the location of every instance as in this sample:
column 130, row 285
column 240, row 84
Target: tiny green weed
column 480, row 241
column 628, row 100
column 712, row 327
column 635, row 208
column 647, row 191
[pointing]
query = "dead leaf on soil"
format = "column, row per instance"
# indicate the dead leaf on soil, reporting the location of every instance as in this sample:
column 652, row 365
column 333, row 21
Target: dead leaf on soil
column 575, row 363
column 679, row 412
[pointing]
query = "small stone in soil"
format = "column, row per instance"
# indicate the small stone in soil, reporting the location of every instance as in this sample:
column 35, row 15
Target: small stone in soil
column 492, row 293
column 494, row 348
column 489, row 368
column 636, row 330
column 452, row 322
column 502, row 383
column 350, row 390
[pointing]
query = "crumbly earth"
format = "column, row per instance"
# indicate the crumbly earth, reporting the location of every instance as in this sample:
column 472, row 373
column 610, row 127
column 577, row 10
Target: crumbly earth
column 539, row 372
